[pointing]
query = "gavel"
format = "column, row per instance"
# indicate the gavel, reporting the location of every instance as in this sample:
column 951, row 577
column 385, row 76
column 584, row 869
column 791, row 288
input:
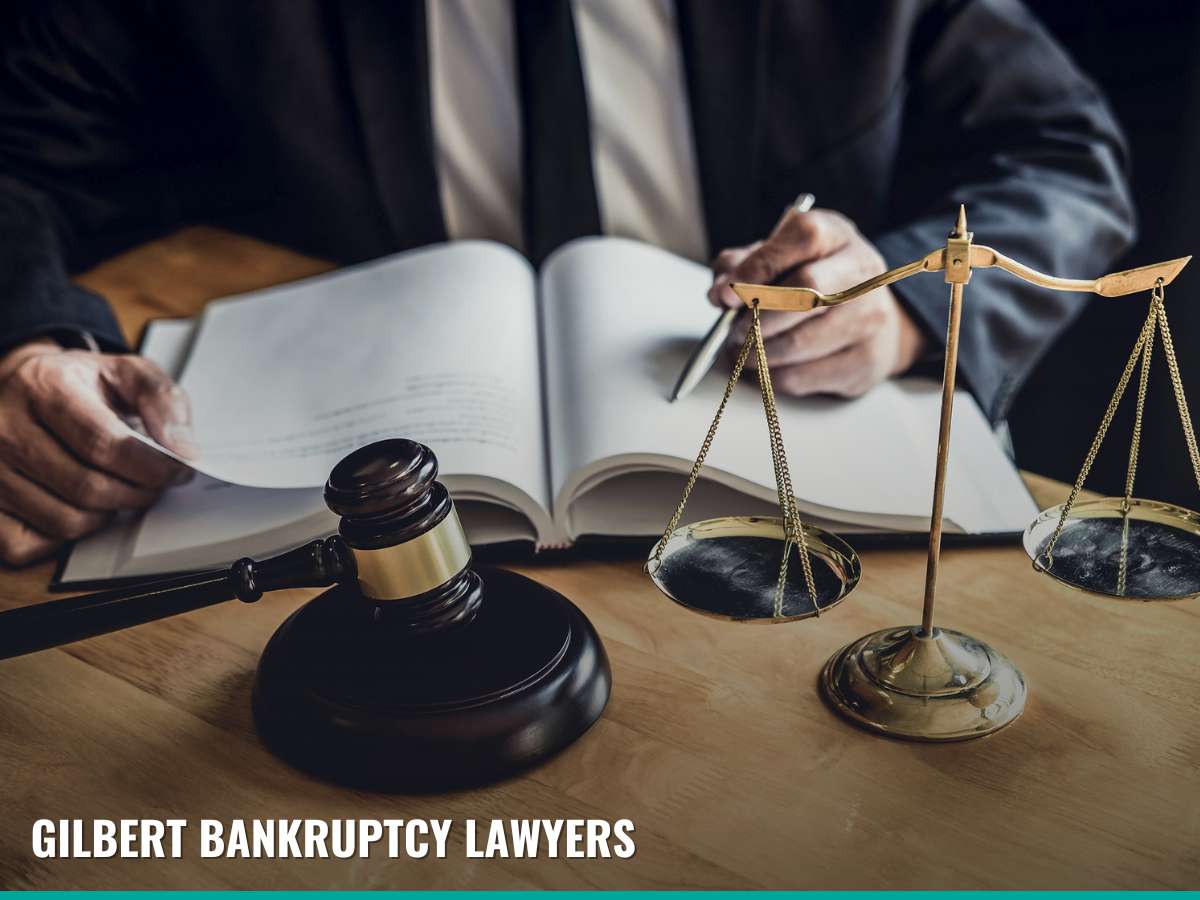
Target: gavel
column 414, row 671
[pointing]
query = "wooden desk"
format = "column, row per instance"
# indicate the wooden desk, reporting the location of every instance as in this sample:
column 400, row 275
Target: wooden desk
column 715, row 742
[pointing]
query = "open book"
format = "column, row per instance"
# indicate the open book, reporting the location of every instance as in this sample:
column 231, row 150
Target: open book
column 544, row 395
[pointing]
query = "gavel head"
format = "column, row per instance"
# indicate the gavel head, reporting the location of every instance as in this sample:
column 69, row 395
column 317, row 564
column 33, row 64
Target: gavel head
column 425, row 673
column 409, row 552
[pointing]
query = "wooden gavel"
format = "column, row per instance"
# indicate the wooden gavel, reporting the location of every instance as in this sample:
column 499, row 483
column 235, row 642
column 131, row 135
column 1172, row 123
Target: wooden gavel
column 414, row 671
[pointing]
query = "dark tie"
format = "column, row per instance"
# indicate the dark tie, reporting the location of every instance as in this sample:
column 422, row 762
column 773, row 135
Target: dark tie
column 559, row 190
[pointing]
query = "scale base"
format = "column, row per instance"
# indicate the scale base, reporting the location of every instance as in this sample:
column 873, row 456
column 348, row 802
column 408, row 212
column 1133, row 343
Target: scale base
column 945, row 686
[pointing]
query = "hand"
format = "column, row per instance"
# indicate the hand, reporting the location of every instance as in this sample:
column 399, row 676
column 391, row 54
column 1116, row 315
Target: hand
column 67, row 460
column 842, row 350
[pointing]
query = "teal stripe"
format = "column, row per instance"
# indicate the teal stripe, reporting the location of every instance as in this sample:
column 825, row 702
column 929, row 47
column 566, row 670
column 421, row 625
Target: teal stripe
column 660, row 895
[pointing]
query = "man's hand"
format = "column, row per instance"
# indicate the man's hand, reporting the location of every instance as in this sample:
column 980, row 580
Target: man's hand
column 841, row 350
column 67, row 460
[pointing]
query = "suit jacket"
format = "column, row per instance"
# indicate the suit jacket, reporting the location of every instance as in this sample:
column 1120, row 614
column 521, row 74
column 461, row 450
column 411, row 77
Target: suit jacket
column 307, row 122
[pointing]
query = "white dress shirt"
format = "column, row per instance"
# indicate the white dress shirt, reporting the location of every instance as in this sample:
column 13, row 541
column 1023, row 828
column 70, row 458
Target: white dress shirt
column 643, row 157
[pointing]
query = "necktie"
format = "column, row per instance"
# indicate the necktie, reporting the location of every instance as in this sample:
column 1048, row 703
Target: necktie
column 559, row 190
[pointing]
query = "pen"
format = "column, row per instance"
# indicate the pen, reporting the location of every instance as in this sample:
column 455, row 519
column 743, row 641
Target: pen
column 709, row 348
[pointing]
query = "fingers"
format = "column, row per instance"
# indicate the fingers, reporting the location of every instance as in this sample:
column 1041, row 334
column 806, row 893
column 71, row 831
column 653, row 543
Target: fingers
column 855, row 263
column 67, row 461
column 818, row 336
column 36, row 455
column 848, row 373
column 841, row 350
column 69, row 405
column 774, row 322
column 797, row 239
column 151, row 393
column 852, row 263
column 723, row 268
column 51, row 516
column 20, row 544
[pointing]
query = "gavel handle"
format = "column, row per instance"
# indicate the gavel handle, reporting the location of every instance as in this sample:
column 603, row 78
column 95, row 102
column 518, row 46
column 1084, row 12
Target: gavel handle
column 28, row 629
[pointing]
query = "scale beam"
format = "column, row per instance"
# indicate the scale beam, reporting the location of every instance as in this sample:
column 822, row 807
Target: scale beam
column 1117, row 284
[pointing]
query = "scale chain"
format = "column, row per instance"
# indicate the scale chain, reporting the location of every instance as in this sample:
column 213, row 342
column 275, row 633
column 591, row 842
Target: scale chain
column 1185, row 416
column 1136, row 441
column 704, row 448
column 1105, row 422
column 793, row 529
column 1142, row 349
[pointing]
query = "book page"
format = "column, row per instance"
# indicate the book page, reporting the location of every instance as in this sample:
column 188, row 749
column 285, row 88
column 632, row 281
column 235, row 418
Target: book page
column 620, row 320
column 439, row 345
column 208, row 523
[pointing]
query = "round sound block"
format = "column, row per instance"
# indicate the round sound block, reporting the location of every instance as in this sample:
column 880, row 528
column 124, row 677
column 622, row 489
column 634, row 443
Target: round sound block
column 346, row 695
column 1149, row 552
column 729, row 568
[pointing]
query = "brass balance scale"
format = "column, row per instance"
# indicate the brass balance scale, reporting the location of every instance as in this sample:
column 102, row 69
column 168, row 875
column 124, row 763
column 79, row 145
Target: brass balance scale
column 923, row 682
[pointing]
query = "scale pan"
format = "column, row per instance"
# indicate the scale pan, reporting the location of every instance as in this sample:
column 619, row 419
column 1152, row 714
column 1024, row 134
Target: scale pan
column 1151, row 553
column 729, row 568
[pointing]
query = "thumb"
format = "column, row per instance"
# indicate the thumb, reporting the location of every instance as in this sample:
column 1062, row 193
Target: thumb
column 162, row 405
column 770, row 260
column 797, row 239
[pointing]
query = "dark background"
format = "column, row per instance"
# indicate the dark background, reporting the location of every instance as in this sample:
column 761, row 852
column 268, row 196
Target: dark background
column 1144, row 56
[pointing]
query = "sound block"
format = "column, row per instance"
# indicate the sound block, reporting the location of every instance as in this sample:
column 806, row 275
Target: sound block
column 348, row 696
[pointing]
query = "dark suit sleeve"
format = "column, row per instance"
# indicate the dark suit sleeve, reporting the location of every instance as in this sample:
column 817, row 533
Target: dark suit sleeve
column 999, row 118
column 75, row 156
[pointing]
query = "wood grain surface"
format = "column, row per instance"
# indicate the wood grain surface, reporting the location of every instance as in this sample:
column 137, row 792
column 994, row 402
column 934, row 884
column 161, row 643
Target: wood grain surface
column 715, row 743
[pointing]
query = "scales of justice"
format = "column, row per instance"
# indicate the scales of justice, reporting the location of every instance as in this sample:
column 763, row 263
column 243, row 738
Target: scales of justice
column 925, row 682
